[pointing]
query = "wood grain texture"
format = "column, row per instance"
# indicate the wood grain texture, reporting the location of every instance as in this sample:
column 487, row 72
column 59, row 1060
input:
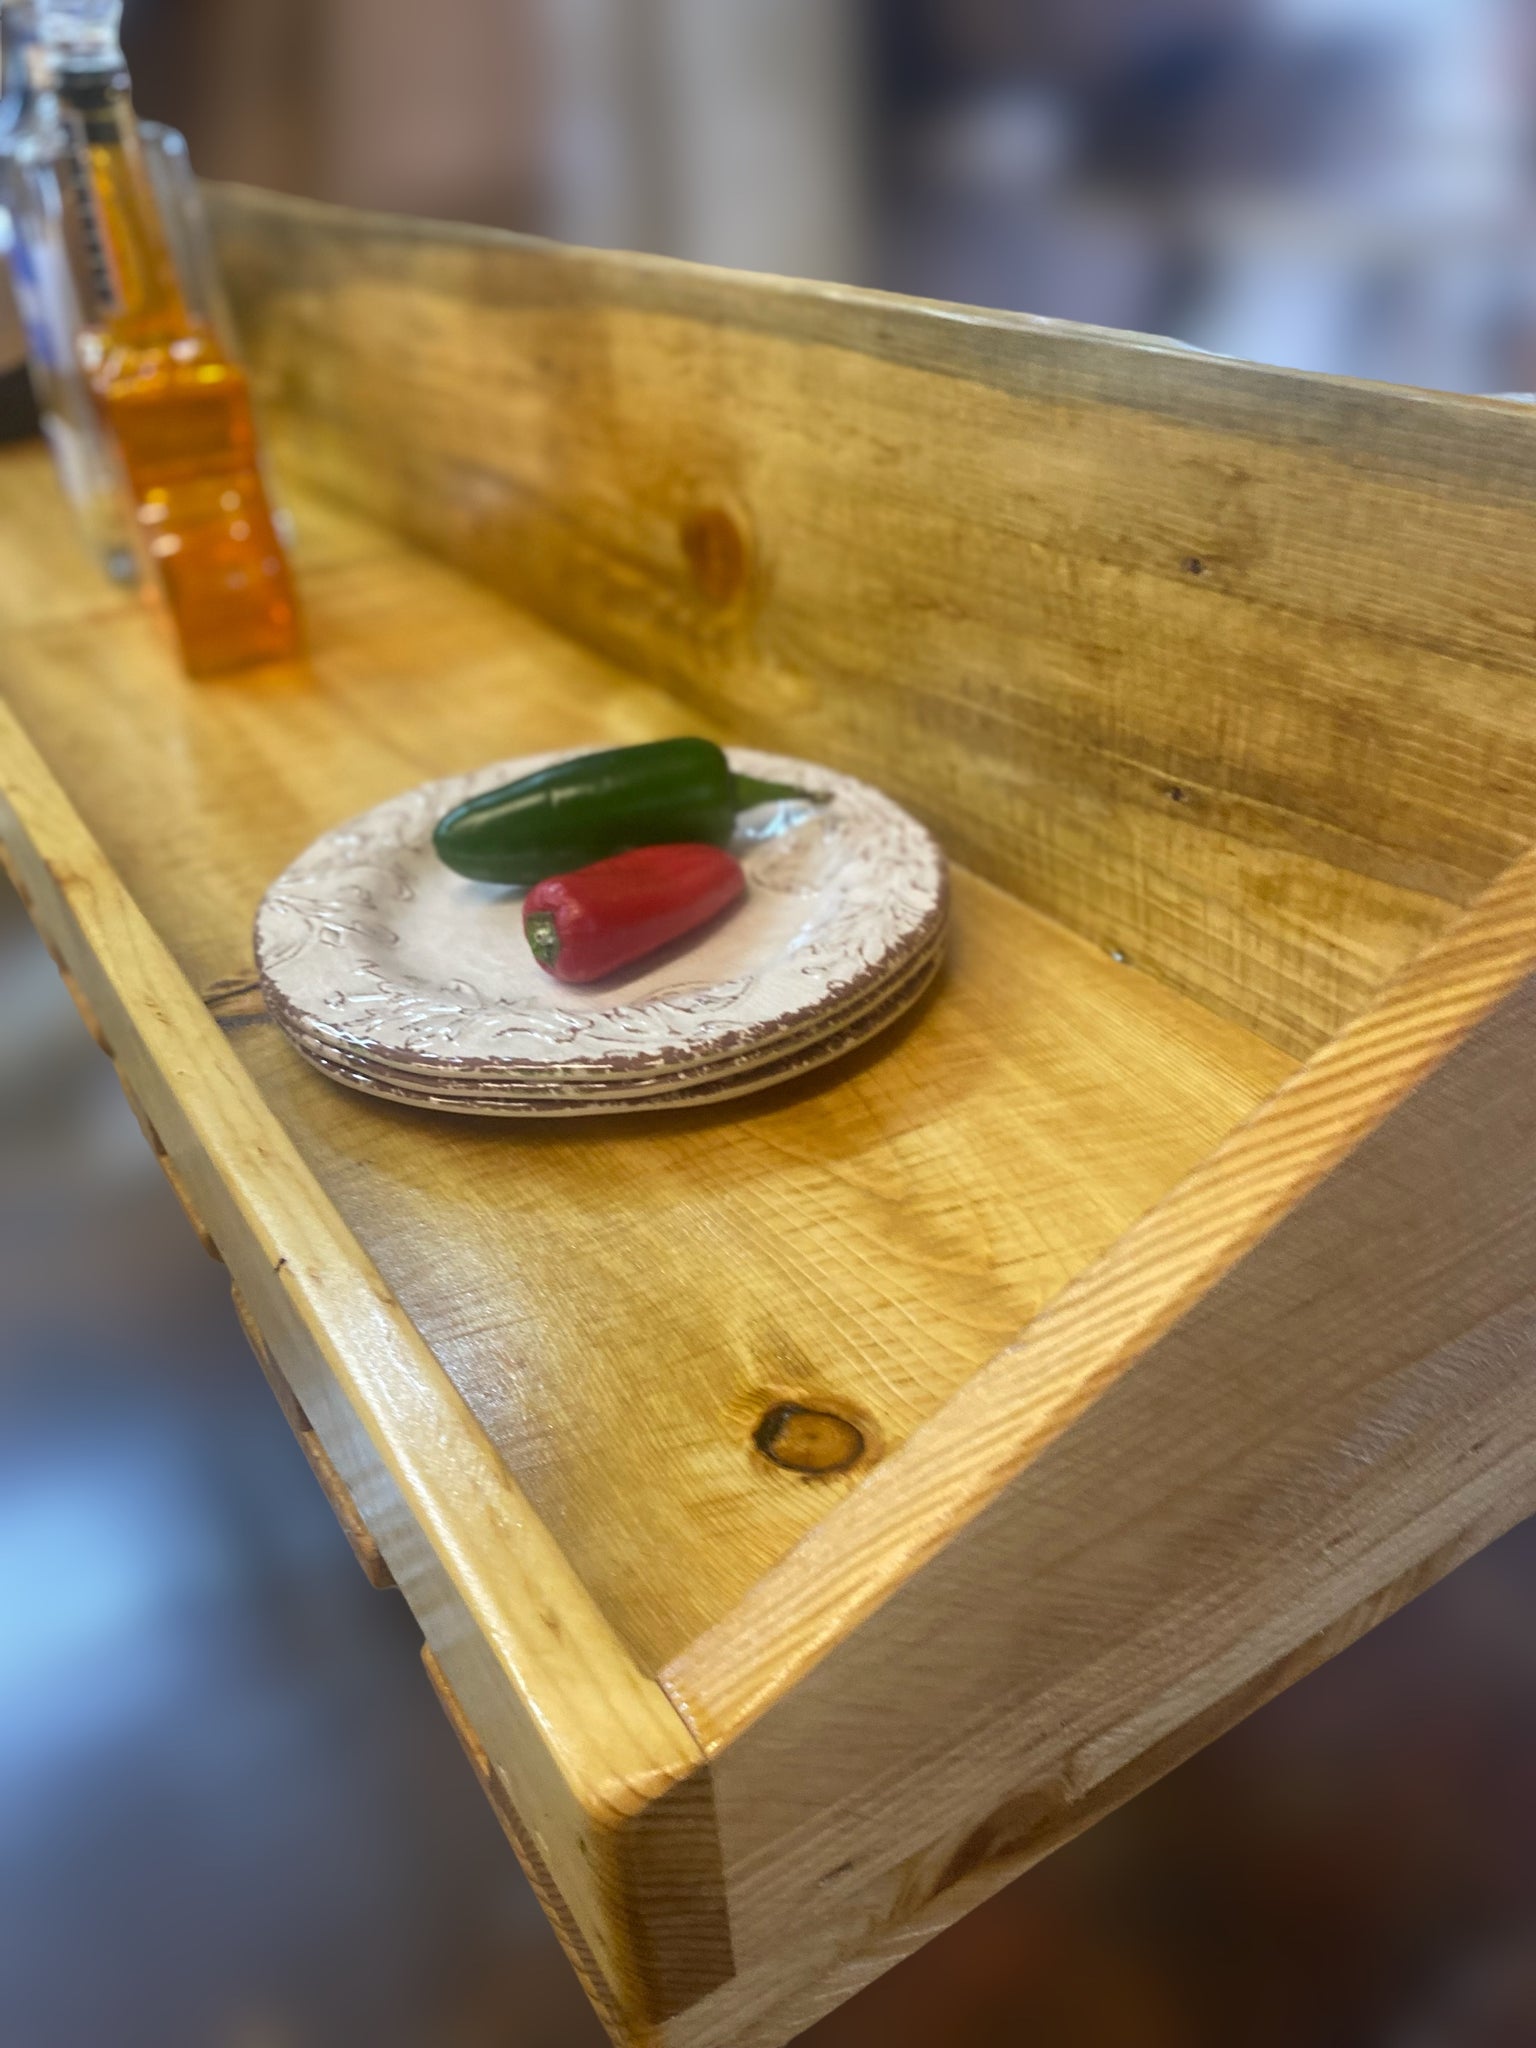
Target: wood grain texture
column 1296, row 1391
column 1227, row 668
column 860, row 1930
column 359, row 1536
column 621, row 1307
column 589, row 1745
column 545, row 1890
column 152, row 1138
column 1173, row 1366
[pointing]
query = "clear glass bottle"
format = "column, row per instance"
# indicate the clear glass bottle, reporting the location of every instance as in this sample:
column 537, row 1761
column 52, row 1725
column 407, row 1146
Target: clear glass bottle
column 32, row 243
column 180, row 200
column 175, row 401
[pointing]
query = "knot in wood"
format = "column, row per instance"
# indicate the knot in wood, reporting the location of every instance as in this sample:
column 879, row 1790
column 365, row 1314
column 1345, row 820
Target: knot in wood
column 811, row 1440
column 717, row 553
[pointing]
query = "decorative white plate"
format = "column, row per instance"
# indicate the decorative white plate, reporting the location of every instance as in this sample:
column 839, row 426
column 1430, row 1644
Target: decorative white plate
column 375, row 956
column 488, row 1098
column 661, row 1080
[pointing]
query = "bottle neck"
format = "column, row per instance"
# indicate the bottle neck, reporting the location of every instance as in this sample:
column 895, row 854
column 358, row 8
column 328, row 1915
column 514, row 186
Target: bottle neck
column 134, row 276
column 83, row 35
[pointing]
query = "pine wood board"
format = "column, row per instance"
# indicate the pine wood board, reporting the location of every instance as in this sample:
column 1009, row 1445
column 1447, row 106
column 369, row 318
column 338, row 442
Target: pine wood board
column 589, row 1745
column 359, row 1536
column 1227, row 668
column 1287, row 1400
column 183, row 784
column 1178, row 1365
column 885, row 1232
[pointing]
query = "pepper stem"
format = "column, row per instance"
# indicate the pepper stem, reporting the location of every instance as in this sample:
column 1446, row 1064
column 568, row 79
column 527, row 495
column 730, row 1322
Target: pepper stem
column 750, row 791
column 543, row 936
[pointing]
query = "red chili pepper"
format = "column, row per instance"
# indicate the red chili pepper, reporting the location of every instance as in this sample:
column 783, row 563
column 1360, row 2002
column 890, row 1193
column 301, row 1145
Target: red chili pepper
column 598, row 919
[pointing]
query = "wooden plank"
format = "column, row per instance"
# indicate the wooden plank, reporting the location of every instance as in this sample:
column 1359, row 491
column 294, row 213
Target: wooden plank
column 74, row 991
column 491, row 1783
column 1071, row 1091
column 885, row 1234
column 1227, row 668
column 860, row 1931
column 1287, row 1400
column 589, row 1745
column 156, row 1144
column 359, row 1536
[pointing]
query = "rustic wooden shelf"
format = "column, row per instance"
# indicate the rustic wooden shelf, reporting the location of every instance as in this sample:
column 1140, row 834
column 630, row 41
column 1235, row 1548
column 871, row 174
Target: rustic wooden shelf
column 1171, row 1264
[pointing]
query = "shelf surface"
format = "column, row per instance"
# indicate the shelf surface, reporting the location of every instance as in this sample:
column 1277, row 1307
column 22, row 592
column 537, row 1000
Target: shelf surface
column 620, row 1304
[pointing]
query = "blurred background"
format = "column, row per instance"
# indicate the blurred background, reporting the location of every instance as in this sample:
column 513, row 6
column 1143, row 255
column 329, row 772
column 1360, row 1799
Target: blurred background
column 231, row 1815
column 1341, row 185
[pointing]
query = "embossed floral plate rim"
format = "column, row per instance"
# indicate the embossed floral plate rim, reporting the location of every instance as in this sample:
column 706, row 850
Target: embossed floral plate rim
column 493, row 1102
column 874, row 1011
column 583, row 1078
column 877, row 882
column 660, row 1081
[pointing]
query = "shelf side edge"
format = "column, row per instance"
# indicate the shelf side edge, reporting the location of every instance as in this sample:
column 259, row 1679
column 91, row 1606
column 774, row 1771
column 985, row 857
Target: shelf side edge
column 765, row 2006
column 994, row 1428
column 1290, row 1398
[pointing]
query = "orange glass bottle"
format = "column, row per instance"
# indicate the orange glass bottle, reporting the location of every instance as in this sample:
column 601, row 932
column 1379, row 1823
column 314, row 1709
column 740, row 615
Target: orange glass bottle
column 176, row 405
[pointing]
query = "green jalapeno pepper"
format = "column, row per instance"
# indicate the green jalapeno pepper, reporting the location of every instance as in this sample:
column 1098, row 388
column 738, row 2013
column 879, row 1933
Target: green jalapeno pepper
column 583, row 810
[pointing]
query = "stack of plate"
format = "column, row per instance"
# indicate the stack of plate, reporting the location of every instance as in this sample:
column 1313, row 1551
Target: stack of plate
column 397, row 977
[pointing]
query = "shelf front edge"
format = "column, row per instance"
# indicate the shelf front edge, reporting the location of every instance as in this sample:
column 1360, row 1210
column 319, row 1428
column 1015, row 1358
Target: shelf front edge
column 605, row 1776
